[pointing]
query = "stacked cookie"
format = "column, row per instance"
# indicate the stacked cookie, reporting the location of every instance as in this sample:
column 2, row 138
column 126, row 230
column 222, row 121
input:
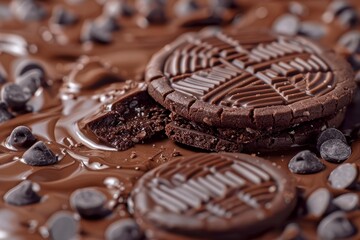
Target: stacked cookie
column 234, row 91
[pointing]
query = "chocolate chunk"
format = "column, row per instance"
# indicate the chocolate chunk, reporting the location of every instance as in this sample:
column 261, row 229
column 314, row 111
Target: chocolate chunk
column 92, row 32
column 335, row 226
column 350, row 41
column 152, row 10
column 14, row 96
column 24, row 65
column 319, row 202
column 62, row 226
column 116, row 8
column 347, row 201
column 335, row 150
column 344, row 176
column 27, row 10
column 21, row 137
column 133, row 118
column 63, row 17
column 305, row 162
column 124, row 229
column 107, row 23
column 39, row 155
column 330, row 133
column 30, row 81
column 5, row 115
column 223, row 3
column 287, row 24
column 185, row 7
column 224, row 197
column 22, row 194
column 89, row 202
column 312, row 30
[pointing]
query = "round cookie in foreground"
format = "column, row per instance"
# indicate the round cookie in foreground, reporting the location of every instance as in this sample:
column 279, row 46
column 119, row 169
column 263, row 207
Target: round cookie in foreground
column 213, row 196
column 249, row 79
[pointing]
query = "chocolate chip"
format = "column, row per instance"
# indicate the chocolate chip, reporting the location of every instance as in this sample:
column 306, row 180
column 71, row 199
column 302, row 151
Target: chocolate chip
column 116, row 8
column 91, row 32
column 89, row 203
column 329, row 133
column 22, row 194
column 21, row 137
column 152, row 10
column 287, row 24
column 107, row 23
column 223, row 3
column 39, row 155
column 5, row 115
column 344, row 176
column 62, row 226
column 27, row 10
column 64, row 17
column 312, row 29
column 25, row 65
column 305, row 162
column 124, row 229
column 348, row 18
column 335, row 226
column 319, row 202
column 335, row 150
column 185, row 7
column 14, row 96
column 350, row 41
column 30, row 81
column 347, row 201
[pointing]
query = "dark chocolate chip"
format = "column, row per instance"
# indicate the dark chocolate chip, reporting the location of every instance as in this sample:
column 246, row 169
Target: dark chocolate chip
column 90, row 32
column 335, row 226
column 89, row 203
column 107, row 23
column 330, row 133
column 305, row 162
column 287, row 24
column 14, row 96
column 223, row 3
column 30, row 81
column 335, row 150
column 347, row 201
column 64, row 17
column 25, row 65
column 344, row 176
column 116, row 8
column 21, row 136
column 350, row 41
column 5, row 115
column 62, row 226
column 186, row 7
column 312, row 30
column 319, row 202
column 124, row 229
column 39, row 155
column 152, row 10
column 348, row 18
column 22, row 194
column 27, row 10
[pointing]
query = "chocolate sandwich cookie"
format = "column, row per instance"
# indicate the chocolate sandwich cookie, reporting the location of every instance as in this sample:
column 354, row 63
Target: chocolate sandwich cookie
column 249, row 79
column 225, row 139
column 213, row 196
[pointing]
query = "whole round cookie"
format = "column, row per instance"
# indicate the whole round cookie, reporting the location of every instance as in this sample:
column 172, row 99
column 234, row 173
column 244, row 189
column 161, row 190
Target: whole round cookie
column 249, row 79
column 213, row 196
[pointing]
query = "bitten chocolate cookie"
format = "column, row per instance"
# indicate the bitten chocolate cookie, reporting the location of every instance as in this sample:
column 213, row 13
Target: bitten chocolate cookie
column 213, row 196
column 249, row 79
column 133, row 118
